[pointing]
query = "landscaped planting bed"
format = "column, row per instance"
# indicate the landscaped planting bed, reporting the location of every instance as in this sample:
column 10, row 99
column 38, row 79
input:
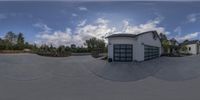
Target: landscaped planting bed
column 51, row 54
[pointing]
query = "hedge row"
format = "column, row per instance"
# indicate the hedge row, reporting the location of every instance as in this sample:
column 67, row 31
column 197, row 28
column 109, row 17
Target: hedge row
column 54, row 54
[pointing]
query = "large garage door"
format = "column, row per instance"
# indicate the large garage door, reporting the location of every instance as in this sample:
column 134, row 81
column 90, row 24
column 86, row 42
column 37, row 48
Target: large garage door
column 123, row 52
column 151, row 52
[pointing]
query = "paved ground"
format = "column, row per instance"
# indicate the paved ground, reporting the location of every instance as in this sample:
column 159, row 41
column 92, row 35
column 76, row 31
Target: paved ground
column 32, row 77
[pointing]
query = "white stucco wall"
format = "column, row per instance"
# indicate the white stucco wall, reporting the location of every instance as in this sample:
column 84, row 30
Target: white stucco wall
column 199, row 48
column 146, row 39
column 138, row 44
column 193, row 48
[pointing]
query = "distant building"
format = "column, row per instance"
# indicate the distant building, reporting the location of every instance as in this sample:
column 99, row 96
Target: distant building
column 193, row 47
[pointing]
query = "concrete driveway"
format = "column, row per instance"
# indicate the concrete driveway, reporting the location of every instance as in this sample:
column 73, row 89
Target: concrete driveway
column 33, row 77
column 164, row 68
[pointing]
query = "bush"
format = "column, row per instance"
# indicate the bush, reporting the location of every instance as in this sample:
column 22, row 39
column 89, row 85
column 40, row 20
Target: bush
column 176, row 55
column 171, row 55
column 186, row 54
column 54, row 54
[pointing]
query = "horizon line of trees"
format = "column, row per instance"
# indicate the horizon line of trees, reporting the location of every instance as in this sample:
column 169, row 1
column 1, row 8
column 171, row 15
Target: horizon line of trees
column 93, row 45
column 13, row 41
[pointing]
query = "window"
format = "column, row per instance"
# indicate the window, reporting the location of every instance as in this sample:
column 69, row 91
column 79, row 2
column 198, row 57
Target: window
column 189, row 48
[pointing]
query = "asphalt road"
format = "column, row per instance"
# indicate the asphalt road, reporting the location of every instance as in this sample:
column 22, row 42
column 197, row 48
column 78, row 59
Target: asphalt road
column 33, row 77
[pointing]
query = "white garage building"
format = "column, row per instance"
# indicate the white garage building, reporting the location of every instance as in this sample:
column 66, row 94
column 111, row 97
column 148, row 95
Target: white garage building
column 124, row 47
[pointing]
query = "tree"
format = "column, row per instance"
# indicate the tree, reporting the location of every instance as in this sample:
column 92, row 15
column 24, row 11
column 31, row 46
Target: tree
column 12, row 41
column 166, row 45
column 20, row 41
column 2, row 44
column 34, row 48
column 7, row 44
column 9, row 41
column 61, row 49
column 27, row 45
column 184, row 48
column 11, row 37
column 163, row 36
column 95, row 44
column 185, row 41
column 67, row 48
column 73, row 46
column 44, row 48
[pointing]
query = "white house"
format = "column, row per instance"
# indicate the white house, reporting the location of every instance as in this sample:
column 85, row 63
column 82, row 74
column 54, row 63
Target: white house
column 130, row 47
column 193, row 47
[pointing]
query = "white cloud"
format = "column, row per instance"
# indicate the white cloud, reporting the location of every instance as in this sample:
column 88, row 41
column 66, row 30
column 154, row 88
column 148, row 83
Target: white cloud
column 178, row 30
column 149, row 26
column 125, row 23
column 82, row 8
column 57, row 38
column 99, row 28
column 44, row 27
column 190, row 36
column 3, row 16
column 1, row 37
column 82, row 23
column 68, row 30
column 74, row 15
column 193, row 17
column 102, row 21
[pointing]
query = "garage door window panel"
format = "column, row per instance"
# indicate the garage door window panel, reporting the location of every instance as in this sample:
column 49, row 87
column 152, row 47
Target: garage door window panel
column 122, row 52
column 151, row 52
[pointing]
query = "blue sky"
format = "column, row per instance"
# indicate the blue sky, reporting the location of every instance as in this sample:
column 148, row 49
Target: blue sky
column 64, row 23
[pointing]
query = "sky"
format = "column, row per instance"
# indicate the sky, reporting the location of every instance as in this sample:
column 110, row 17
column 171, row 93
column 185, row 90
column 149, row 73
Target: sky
column 73, row 22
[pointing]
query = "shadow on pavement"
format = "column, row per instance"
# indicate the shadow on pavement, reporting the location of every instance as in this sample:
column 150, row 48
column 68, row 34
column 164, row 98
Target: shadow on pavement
column 123, row 71
column 23, row 67
column 179, row 69
column 164, row 68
